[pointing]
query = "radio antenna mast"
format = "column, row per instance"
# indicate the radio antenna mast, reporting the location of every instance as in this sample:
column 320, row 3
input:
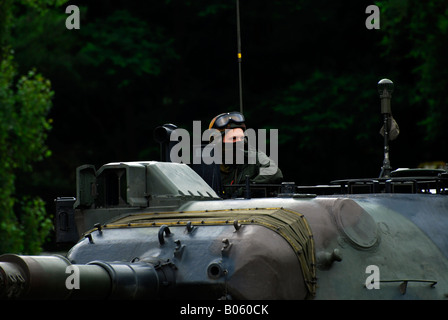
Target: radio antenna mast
column 238, row 31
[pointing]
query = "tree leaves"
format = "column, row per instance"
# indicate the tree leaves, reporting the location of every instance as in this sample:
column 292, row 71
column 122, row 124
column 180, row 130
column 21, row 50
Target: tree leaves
column 23, row 130
column 417, row 31
column 122, row 42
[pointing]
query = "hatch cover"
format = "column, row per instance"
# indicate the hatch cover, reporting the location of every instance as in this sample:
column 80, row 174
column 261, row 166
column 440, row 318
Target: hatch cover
column 356, row 224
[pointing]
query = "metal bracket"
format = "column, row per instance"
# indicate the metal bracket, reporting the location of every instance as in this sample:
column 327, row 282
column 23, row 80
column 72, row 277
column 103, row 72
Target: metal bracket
column 99, row 227
column 179, row 249
column 404, row 283
column 190, row 227
column 236, row 225
column 226, row 247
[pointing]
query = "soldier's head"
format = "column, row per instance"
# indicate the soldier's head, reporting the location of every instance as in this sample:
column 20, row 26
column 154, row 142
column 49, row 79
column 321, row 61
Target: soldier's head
column 231, row 125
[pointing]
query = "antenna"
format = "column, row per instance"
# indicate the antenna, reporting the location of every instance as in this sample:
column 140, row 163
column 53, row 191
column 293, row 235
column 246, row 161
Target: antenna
column 238, row 31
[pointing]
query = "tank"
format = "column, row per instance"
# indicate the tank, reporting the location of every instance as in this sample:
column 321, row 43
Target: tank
column 162, row 230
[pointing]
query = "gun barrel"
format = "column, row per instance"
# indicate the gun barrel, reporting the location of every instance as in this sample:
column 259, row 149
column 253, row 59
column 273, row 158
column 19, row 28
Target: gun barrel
column 54, row 277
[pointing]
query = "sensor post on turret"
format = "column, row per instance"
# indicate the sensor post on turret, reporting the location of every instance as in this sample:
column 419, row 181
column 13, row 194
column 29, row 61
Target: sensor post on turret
column 385, row 89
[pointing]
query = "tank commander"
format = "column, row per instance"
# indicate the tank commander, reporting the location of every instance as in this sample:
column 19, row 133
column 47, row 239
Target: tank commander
column 232, row 127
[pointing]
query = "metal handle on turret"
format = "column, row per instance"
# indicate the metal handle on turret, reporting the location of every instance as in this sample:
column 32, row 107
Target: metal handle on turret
column 163, row 229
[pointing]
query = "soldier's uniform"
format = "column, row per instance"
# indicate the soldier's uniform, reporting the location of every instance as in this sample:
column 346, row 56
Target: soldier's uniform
column 264, row 170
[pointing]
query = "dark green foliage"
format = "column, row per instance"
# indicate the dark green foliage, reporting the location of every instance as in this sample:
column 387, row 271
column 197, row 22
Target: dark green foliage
column 418, row 32
column 23, row 131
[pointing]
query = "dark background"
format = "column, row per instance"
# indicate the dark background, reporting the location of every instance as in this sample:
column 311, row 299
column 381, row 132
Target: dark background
column 310, row 69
